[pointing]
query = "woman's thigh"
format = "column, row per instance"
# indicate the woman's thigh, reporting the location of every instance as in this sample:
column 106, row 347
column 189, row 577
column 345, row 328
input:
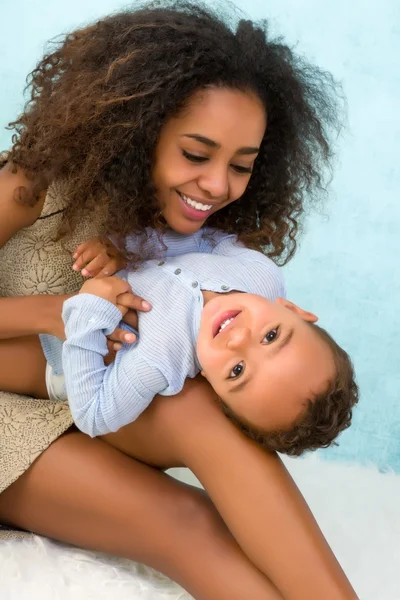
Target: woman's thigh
column 23, row 366
column 84, row 492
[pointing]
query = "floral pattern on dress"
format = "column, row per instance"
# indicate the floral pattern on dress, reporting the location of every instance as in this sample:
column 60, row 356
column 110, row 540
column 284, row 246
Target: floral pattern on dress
column 32, row 262
column 48, row 413
column 11, row 420
column 27, row 427
column 43, row 280
column 36, row 248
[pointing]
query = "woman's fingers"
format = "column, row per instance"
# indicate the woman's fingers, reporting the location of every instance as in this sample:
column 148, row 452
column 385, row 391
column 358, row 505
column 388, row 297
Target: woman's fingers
column 118, row 337
column 133, row 302
column 111, row 353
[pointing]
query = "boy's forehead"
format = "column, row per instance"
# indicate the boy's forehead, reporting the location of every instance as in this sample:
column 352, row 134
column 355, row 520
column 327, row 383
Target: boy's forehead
column 276, row 398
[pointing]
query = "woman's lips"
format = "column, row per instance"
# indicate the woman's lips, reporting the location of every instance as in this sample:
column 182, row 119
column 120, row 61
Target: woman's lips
column 193, row 213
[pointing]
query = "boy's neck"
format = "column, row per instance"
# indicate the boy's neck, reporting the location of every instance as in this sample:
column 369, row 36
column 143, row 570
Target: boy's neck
column 207, row 295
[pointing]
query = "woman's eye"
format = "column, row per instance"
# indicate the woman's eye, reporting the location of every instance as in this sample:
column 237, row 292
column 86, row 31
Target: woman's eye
column 236, row 371
column 271, row 336
column 239, row 169
column 193, row 157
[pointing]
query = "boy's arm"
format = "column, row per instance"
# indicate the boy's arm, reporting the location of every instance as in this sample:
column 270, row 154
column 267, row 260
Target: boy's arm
column 103, row 399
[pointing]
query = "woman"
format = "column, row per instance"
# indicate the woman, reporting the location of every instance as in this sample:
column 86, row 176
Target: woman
column 161, row 118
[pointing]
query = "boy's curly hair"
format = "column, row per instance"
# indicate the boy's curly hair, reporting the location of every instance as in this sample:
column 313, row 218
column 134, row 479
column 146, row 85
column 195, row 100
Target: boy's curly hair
column 99, row 99
column 325, row 417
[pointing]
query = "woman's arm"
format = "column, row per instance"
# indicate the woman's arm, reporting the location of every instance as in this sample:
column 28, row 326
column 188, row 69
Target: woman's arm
column 16, row 215
column 31, row 315
column 251, row 489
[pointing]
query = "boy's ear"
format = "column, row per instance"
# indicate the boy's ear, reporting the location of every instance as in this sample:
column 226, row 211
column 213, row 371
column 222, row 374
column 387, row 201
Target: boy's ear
column 304, row 314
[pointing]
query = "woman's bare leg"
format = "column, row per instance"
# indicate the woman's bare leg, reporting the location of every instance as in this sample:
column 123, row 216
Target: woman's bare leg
column 82, row 491
column 250, row 488
column 23, row 366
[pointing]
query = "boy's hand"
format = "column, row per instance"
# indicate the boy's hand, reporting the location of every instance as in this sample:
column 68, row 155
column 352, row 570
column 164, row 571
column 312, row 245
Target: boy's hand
column 118, row 291
column 97, row 256
column 112, row 289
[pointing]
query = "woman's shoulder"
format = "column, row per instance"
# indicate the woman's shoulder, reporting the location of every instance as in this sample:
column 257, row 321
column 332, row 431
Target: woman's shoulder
column 56, row 199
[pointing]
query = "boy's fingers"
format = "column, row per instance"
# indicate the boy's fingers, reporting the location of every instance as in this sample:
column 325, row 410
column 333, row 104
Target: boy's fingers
column 84, row 258
column 110, row 268
column 79, row 263
column 79, row 249
column 95, row 266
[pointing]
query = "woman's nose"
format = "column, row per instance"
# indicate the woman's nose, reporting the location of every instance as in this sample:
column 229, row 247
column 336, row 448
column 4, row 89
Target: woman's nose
column 214, row 181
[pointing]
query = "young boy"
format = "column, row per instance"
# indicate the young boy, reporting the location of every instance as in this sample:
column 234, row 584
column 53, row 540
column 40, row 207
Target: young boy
column 219, row 311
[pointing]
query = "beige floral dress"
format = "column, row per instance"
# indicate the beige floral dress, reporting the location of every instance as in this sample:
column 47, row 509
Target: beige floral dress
column 33, row 263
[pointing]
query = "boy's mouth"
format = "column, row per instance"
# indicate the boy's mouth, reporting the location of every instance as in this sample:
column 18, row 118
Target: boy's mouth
column 224, row 320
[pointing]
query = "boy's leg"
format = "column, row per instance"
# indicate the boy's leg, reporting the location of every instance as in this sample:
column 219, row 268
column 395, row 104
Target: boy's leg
column 23, row 366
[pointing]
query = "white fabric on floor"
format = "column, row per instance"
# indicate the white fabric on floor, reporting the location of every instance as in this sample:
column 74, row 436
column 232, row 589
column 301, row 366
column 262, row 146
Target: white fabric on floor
column 357, row 508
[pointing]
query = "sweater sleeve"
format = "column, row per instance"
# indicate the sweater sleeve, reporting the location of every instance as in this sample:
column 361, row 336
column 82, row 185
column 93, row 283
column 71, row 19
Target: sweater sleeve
column 103, row 398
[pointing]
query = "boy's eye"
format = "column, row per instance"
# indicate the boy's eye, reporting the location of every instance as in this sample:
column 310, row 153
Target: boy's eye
column 193, row 157
column 271, row 336
column 236, row 371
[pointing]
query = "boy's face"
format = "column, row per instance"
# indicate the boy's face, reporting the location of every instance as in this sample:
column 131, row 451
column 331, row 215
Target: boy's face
column 262, row 358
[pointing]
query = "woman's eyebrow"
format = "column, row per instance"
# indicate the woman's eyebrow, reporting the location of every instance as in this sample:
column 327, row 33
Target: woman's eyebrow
column 212, row 144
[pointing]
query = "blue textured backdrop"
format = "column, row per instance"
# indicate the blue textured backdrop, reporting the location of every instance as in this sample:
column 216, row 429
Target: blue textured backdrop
column 347, row 268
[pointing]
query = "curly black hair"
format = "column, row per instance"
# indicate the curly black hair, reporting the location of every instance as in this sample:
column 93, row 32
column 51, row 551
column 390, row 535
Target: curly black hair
column 99, row 99
column 325, row 417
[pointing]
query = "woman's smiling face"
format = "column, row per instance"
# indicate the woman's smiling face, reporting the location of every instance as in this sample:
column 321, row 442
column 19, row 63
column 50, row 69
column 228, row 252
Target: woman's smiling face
column 205, row 155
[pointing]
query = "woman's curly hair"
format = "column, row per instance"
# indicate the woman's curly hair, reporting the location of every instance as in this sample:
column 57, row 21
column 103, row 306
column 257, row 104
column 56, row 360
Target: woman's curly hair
column 99, row 100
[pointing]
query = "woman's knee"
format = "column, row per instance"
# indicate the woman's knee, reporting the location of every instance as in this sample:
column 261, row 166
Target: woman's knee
column 191, row 508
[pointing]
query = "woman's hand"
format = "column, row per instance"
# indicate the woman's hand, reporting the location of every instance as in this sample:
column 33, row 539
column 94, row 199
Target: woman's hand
column 97, row 256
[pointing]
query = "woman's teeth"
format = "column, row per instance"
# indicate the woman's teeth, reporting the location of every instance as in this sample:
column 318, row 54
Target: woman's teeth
column 225, row 323
column 194, row 204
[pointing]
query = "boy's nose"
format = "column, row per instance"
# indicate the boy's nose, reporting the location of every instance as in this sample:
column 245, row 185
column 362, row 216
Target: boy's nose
column 239, row 336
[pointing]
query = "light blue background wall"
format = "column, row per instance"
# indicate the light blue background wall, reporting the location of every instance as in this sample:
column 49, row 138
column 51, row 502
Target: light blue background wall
column 347, row 270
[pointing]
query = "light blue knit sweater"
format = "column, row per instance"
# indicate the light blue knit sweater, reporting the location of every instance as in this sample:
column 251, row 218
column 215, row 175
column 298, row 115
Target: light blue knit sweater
column 104, row 399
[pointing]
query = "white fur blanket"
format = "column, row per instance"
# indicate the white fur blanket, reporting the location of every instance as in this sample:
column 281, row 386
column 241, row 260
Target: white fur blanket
column 357, row 508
